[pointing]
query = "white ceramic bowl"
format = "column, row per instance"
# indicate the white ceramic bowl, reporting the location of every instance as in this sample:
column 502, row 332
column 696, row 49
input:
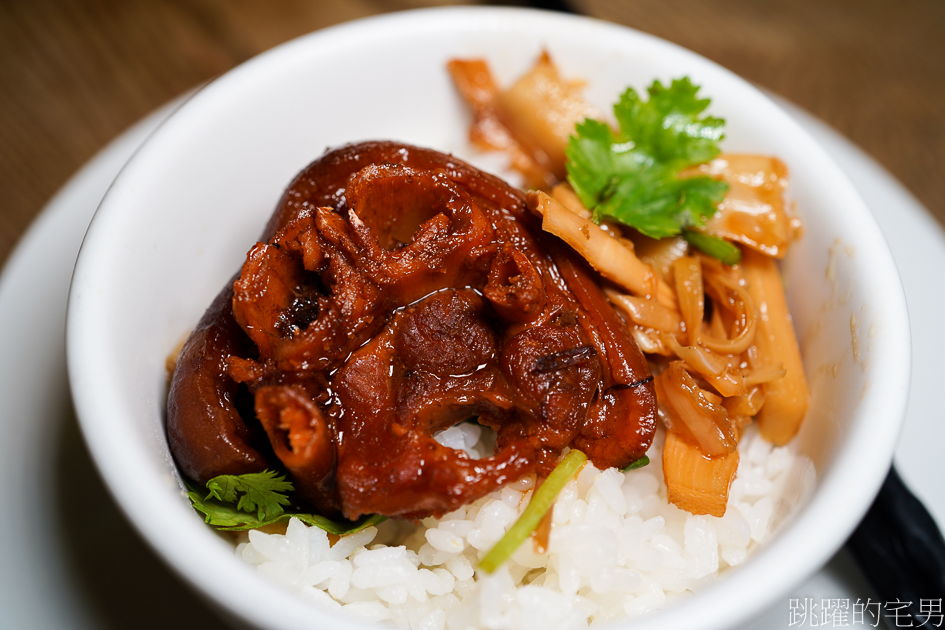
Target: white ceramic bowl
column 179, row 219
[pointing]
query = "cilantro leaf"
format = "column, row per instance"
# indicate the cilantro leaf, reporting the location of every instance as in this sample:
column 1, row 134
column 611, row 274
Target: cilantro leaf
column 668, row 127
column 218, row 514
column 632, row 175
column 264, row 494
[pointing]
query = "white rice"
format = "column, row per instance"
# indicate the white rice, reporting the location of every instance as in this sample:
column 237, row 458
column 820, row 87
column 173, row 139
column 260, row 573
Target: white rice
column 617, row 549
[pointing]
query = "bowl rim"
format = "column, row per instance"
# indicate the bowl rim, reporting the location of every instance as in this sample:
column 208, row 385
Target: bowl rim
column 704, row 609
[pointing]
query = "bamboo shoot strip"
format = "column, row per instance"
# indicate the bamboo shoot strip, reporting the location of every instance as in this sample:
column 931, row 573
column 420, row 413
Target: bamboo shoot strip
column 607, row 255
column 786, row 398
column 694, row 482
column 541, row 502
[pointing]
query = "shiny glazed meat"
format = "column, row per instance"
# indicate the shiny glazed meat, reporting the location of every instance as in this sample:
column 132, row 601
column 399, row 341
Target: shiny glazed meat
column 397, row 292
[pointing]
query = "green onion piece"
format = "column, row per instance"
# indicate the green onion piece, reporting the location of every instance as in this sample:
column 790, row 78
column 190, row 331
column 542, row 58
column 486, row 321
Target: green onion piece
column 541, row 502
column 637, row 463
column 713, row 246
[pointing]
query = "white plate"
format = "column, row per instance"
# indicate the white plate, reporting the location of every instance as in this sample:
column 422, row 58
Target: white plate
column 70, row 560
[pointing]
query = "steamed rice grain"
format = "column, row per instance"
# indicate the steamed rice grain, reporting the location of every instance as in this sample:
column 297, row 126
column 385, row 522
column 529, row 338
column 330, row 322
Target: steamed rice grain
column 617, row 549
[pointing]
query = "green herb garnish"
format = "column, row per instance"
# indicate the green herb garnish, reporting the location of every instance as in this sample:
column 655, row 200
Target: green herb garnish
column 541, row 502
column 637, row 463
column 714, row 246
column 262, row 492
column 238, row 502
column 633, row 175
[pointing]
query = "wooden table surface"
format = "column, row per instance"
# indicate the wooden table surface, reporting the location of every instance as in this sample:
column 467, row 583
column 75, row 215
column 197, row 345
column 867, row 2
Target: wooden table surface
column 75, row 74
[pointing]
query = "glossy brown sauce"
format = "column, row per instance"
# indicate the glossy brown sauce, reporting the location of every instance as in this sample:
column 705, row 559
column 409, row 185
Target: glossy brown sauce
column 396, row 292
